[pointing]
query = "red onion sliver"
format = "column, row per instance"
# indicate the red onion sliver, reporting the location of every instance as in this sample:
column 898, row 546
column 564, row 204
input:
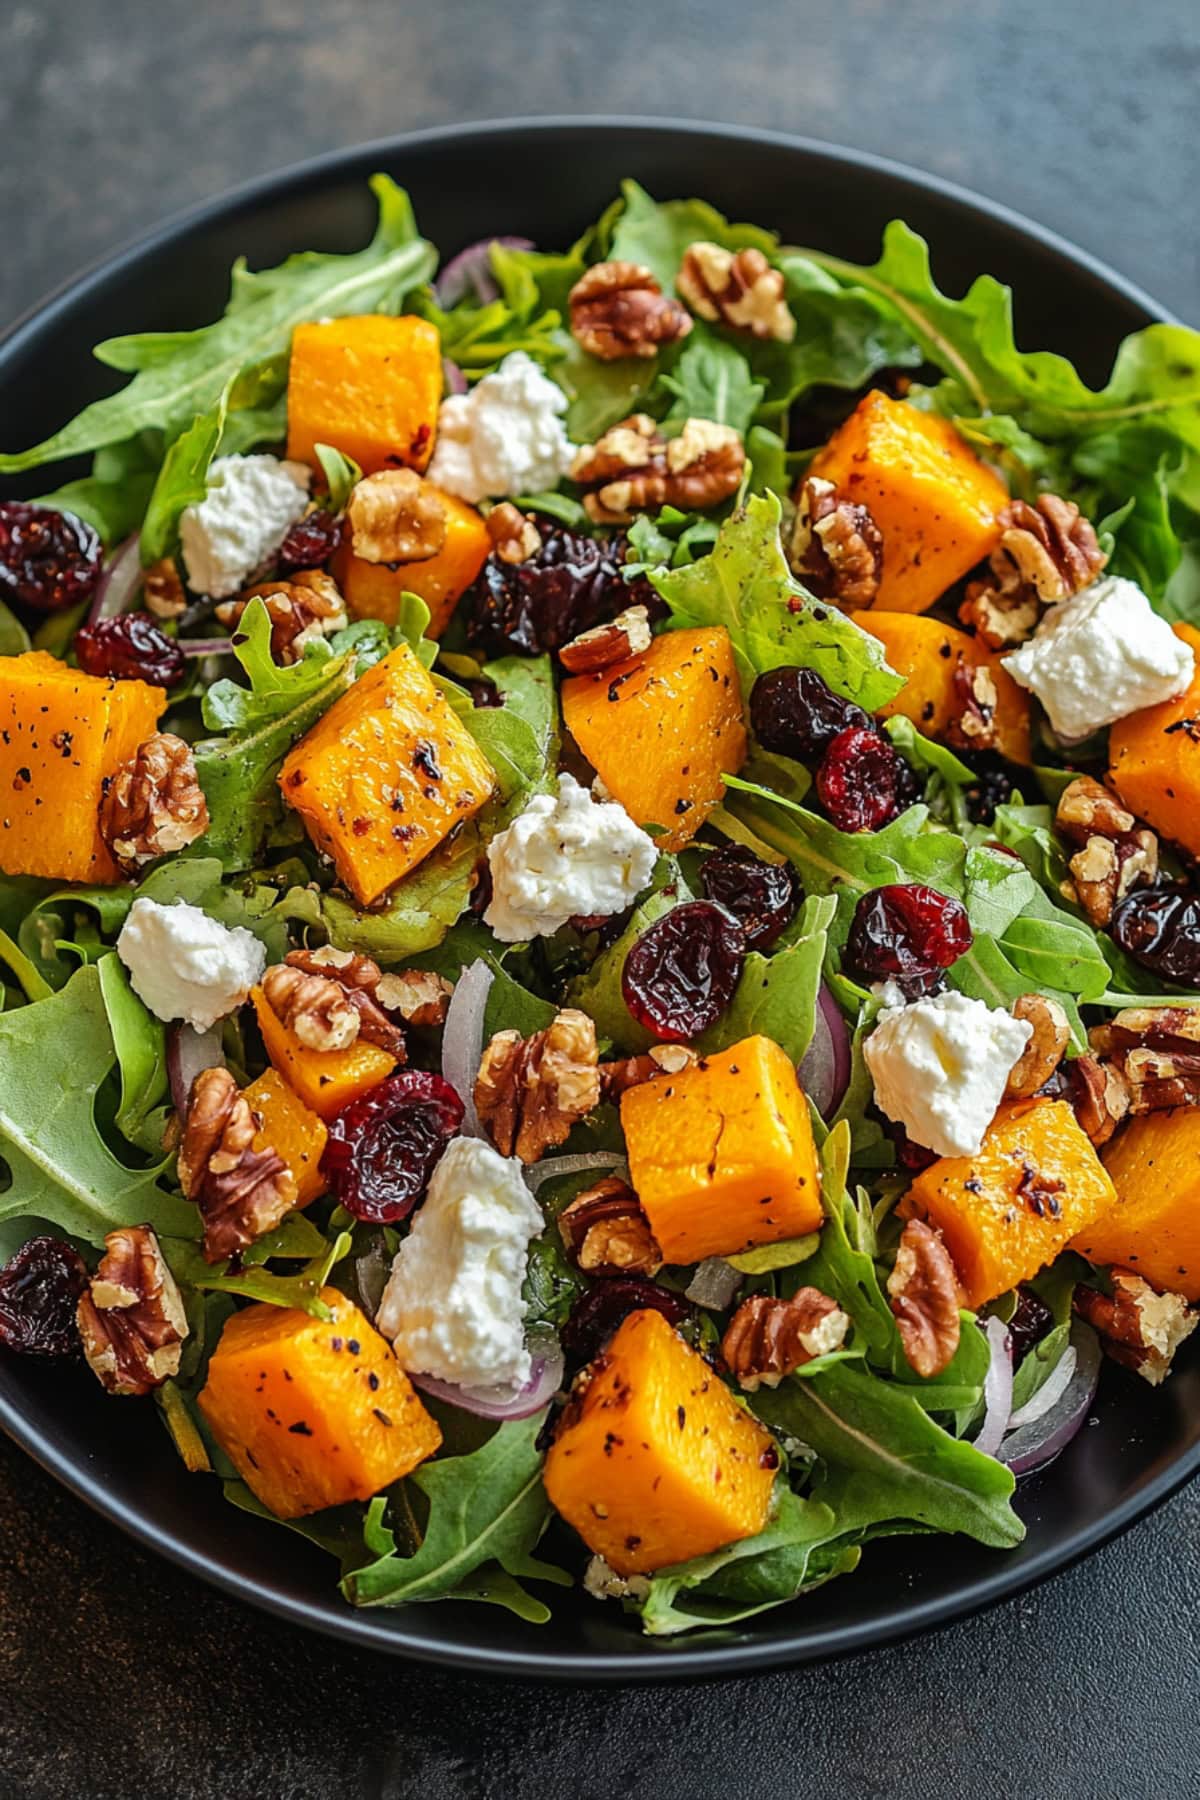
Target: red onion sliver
column 1032, row 1446
column 1050, row 1392
column 120, row 579
column 553, row 1166
column 545, row 1379
column 462, row 1039
column 470, row 272
column 997, row 1388
column 714, row 1284
column 189, row 1052
column 825, row 1067
column 454, row 380
column 206, row 646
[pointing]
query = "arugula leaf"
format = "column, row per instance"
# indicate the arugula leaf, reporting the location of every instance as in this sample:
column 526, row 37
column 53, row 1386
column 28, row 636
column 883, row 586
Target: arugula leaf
column 300, row 1291
column 341, row 473
column 182, row 480
column 14, row 639
column 140, row 1045
column 656, row 233
column 777, row 995
column 711, row 380
column 114, row 497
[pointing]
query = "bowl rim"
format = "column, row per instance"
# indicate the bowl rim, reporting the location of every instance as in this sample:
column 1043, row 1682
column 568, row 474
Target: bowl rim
column 384, row 1631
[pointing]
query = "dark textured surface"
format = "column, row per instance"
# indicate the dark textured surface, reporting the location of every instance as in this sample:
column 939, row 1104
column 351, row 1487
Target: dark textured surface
column 119, row 1676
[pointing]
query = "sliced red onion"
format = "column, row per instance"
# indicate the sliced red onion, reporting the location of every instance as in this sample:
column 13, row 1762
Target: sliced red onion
column 554, row 1166
column 545, row 1379
column 825, row 1067
column 714, row 1284
column 997, row 1388
column 454, row 380
column 120, row 579
column 1035, row 1444
column 462, row 1039
column 1050, row 1392
column 206, row 646
column 189, row 1052
column 470, row 272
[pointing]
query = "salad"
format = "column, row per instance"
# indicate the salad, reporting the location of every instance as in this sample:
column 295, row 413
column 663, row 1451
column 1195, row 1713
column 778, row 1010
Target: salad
column 599, row 933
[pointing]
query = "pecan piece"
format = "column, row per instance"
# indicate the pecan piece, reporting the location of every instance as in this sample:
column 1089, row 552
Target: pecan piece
column 626, row 635
column 618, row 309
column 1098, row 1094
column 131, row 1316
column 923, row 1289
column 514, row 534
column 1045, row 1049
column 616, row 1078
column 306, row 1011
column 419, row 996
column 835, row 547
column 767, row 1338
column 530, row 1091
column 973, row 725
column 241, row 1192
column 154, row 803
column 738, row 288
column 162, row 589
column 605, row 1232
column 1138, row 1327
column 1115, row 854
column 395, row 516
column 302, row 611
column 1046, row 553
column 1156, row 1050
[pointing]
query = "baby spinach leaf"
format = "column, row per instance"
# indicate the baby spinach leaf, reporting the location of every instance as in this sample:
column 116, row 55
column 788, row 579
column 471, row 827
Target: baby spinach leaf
column 711, row 380
column 777, row 995
column 656, row 233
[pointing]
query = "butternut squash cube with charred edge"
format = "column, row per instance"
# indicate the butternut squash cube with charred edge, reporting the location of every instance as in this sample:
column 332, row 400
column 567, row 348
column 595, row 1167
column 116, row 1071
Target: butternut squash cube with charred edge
column 291, row 1129
column 662, row 729
column 1008, row 1210
column 367, row 385
column 385, row 775
column 373, row 590
column 312, row 1412
column 722, row 1156
column 63, row 735
column 1154, row 1228
column 654, row 1461
column 927, row 653
column 1154, row 760
column 935, row 503
column 322, row 1080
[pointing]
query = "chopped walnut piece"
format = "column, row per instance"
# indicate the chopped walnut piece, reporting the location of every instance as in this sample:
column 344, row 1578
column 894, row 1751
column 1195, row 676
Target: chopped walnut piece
column 360, row 980
column 626, row 635
column 633, row 468
column 395, row 516
column 163, row 590
column 131, row 1316
column 531, row 1091
column 418, row 995
column 515, row 537
column 1045, row 1049
column 242, row 1192
column 1157, row 1052
column 767, row 1338
column 618, row 309
column 616, row 1078
column 315, row 1008
column 924, row 1291
column 1115, row 854
column 1087, row 808
column 1138, row 1326
column 1097, row 1092
column 1046, row 553
column 302, row 610
column 154, row 803
column 704, row 465
column 973, row 725
column 835, row 547
column 738, row 288
column 605, row 1232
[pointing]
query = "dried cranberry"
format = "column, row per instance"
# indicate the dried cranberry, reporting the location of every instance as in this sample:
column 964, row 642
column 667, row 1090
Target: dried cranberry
column 595, row 1316
column 570, row 585
column 310, row 543
column 762, row 896
column 39, row 1290
column 1029, row 1323
column 909, row 1154
column 908, row 934
column 681, row 973
column 795, row 713
column 1160, row 928
column 48, row 559
column 992, row 787
column 130, row 647
column 858, row 778
column 382, row 1148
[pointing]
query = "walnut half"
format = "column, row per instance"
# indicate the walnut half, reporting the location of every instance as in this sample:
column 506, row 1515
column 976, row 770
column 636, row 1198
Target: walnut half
column 835, row 547
column 618, row 309
column 1115, row 854
column 131, row 1318
column 531, row 1091
column 242, row 1193
column 605, row 1232
column 154, row 804
column 737, row 288
column 395, row 516
column 632, row 468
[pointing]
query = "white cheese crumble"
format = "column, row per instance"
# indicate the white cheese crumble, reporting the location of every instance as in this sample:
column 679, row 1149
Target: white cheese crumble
column 184, row 965
column 251, row 503
column 505, row 437
column 565, row 856
column 940, row 1066
column 453, row 1304
column 1099, row 656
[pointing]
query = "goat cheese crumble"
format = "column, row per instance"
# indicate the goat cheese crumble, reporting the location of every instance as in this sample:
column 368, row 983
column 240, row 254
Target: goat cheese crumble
column 250, row 504
column 185, row 965
column 565, row 856
column 453, row 1305
column 940, row 1065
column 505, row 437
column 1099, row 656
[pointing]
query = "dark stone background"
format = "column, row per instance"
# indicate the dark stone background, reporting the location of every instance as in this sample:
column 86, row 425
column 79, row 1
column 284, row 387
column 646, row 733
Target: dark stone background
column 121, row 1677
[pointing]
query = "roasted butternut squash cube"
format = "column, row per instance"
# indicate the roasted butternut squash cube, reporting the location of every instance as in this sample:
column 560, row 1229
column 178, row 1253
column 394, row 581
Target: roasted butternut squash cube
column 929, row 654
column 935, row 503
column 373, row 590
column 385, row 775
column 663, row 729
column 313, row 1413
column 1154, row 1228
column 322, row 1080
column 63, row 734
column 367, row 385
column 291, row 1129
column 1007, row 1211
column 654, row 1461
column 1154, row 760
column 722, row 1156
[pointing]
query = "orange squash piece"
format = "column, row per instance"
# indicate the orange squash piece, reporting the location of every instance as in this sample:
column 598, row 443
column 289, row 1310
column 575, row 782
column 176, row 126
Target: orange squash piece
column 62, row 735
column 291, row 1129
column 927, row 653
column 323, row 1080
column 385, row 775
column 369, row 386
column 663, row 729
column 933, row 500
column 722, row 1156
column 1008, row 1211
column 313, row 1413
column 655, row 1462
column 1154, row 1228
column 373, row 590
column 1154, row 760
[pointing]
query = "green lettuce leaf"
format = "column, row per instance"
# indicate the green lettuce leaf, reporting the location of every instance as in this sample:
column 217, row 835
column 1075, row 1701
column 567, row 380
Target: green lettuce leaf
column 182, row 481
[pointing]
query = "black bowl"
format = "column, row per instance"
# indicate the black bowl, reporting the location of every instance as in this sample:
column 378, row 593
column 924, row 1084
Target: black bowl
column 546, row 179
